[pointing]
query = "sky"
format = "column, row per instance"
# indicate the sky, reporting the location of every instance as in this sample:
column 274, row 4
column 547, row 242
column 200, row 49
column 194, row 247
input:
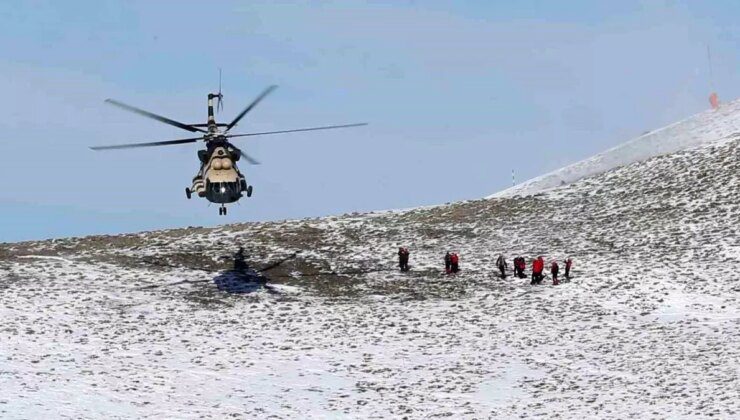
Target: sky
column 457, row 94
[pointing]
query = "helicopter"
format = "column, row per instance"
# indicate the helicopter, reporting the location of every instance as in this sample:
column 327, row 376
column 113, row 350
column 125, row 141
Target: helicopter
column 219, row 180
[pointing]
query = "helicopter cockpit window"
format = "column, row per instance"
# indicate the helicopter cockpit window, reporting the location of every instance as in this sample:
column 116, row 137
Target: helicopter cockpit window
column 219, row 187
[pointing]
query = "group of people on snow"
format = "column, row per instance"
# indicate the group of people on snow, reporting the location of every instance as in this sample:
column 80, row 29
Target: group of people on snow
column 538, row 267
column 452, row 265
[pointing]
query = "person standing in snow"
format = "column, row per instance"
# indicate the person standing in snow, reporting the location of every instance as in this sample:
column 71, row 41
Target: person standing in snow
column 403, row 259
column 537, row 266
column 502, row 265
column 455, row 262
column 554, row 269
column 448, row 262
column 520, row 265
column 240, row 261
column 568, row 265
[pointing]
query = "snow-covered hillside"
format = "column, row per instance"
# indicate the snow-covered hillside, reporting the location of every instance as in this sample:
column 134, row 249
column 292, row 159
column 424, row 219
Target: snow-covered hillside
column 150, row 326
column 702, row 128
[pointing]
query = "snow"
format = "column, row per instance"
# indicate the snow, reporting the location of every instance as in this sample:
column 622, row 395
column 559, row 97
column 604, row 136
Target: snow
column 154, row 325
column 703, row 128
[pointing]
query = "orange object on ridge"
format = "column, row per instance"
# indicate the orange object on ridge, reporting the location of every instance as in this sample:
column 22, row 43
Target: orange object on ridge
column 714, row 100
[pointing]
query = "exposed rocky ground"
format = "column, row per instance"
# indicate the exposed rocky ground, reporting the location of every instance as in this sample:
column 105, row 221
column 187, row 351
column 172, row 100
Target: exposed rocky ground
column 151, row 324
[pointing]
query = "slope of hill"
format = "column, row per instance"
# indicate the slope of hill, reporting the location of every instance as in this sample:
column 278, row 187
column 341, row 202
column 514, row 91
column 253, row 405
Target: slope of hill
column 702, row 128
column 149, row 325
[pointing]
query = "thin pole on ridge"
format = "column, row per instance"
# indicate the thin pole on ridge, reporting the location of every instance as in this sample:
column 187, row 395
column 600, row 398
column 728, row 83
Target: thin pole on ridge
column 713, row 98
column 711, row 71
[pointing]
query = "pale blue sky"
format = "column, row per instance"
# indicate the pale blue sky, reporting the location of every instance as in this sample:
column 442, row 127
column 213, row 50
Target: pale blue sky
column 457, row 94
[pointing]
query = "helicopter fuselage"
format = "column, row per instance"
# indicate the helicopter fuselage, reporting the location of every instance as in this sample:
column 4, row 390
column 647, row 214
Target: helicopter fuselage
column 219, row 179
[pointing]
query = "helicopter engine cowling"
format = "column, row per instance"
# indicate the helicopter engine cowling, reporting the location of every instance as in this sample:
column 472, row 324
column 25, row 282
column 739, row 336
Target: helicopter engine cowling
column 222, row 164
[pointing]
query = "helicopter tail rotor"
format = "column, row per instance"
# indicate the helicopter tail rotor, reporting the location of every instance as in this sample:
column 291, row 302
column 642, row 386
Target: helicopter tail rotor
column 220, row 96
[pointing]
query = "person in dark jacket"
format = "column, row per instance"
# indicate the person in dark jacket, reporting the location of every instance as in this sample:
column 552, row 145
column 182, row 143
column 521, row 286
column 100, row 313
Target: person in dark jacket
column 240, row 262
column 554, row 269
column 448, row 263
column 403, row 259
column 502, row 265
column 568, row 265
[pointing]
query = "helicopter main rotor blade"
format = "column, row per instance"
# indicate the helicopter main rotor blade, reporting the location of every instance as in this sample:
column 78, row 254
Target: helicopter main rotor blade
column 249, row 108
column 326, row 127
column 246, row 157
column 154, row 116
column 152, row 144
column 250, row 159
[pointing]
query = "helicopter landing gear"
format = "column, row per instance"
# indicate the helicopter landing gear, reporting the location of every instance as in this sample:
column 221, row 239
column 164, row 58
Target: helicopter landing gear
column 188, row 193
column 245, row 189
column 222, row 210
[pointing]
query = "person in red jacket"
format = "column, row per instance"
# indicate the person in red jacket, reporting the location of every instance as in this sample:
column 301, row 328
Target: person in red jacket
column 554, row 269
column 537, row 266
column 568, row 265
column 455, row 262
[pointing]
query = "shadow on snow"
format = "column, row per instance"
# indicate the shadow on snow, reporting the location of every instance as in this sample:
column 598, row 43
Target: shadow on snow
column 242, row 281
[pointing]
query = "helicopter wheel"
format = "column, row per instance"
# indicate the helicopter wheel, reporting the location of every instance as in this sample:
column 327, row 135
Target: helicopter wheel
column 188, row 193
column 249, row 191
